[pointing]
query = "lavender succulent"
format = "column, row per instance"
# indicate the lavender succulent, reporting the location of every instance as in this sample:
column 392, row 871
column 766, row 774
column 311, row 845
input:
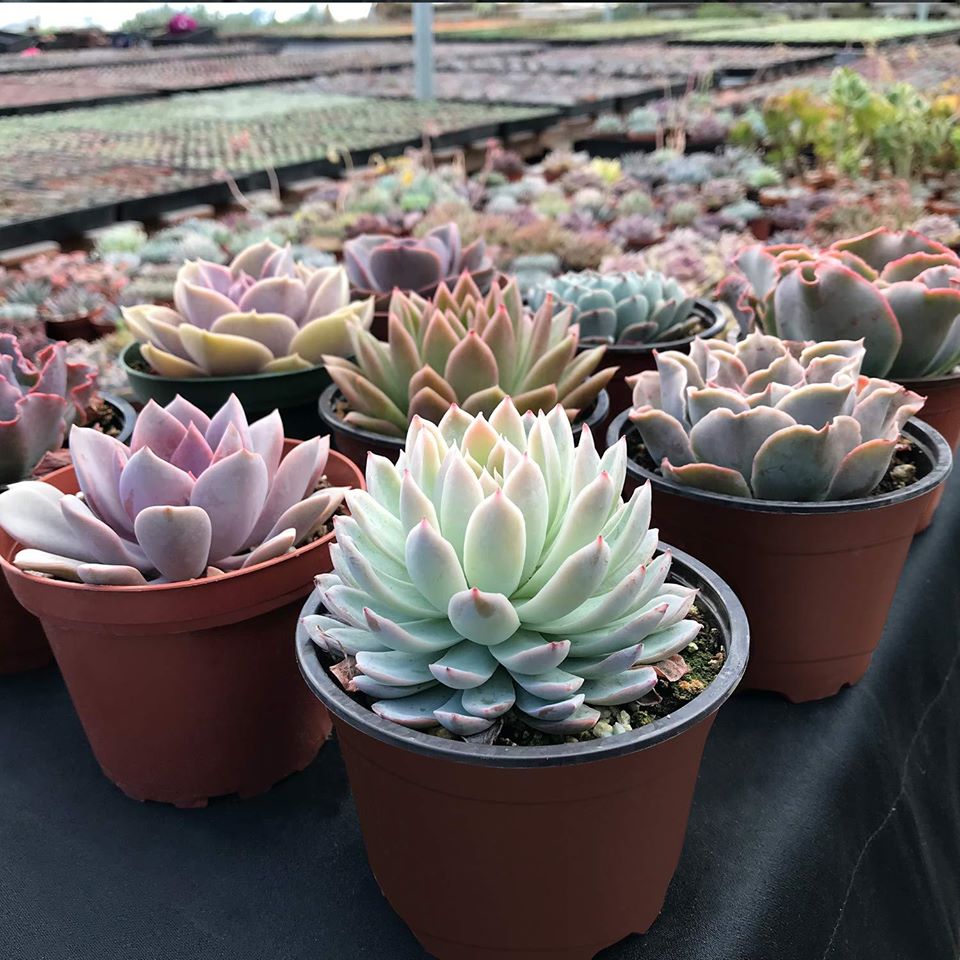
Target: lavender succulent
column 770, row 419
column 191, row 497
column 495, row 567
column 621, row 307
column 636, row 231
column 262, row 313
column 465, row 348
column 38, row 402
column 900, row 291
column 376, row 265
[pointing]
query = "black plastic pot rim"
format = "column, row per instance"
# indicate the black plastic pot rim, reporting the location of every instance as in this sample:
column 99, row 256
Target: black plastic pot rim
column 132, row 352
column 328, row 415
column 125, row 410
column 930, row 441
column 725, row 607
column 705, row 309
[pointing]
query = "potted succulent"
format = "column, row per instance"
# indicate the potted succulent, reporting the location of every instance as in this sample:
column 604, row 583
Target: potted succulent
column 165, row 576
column 38, row 403
column 460, row 348
column 634, row 314
column 257, row 328
column 901, row 293
column 377, row 265
column 800, row 481
column 496, row 644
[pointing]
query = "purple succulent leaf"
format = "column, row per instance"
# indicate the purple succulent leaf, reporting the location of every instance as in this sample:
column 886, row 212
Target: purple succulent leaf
column 251, row 260
column 215, row 276
column 799, row 463
column 98, row 461
column 32, row 516
column 290, row 485
column 663, row 435
column 786, row 370
column 356, row 260
column 176, row 540
column 707, row 476
column 731, row 440
column 276, row 295
column 184, row 411
column 409, row 268
column 700, row 401
column 878, row 247
column 327, row 292
column 861, row 470
column 200, row 305
column 827, row 301
column 157, row 429
column 757, row 350
column 230, row 412
column 193, row 455
column 816, row 404
column 48, row 564
column 232, row 516
column 914, row 264
column 275, row 546
column 266, row 439
column 883, row 408
column 674, row 381
column 308, row 515
column 927, row 319
column 279, row 264
column 101, row 540
column 36, row 428
column 274, row 330
column 473, row 258
column 10, row 395
column 761, row 269
column 230, row 443
column 149, row 481
column 53, row 373
column 110, row 575
column 240, row 286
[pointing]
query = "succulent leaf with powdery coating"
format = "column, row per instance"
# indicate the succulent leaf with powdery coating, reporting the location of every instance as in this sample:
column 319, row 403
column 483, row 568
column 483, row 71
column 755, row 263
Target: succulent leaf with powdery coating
column 379, row 264
column 190, row 497
column 263, row 313
column 899, row 291
column 770, row 419
column 465, row 348
column 38, row 402
column 495, row 567
column 622, row 307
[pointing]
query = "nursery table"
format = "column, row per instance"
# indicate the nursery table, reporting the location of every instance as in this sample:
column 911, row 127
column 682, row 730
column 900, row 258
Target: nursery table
column 824, row 831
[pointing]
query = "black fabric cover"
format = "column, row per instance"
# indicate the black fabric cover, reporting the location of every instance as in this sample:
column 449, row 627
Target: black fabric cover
column 826, row 831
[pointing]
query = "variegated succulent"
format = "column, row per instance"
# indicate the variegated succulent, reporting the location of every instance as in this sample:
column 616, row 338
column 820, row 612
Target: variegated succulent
column 191, row 497
column 770, row 419
column 465, row 348
column 379, row 264
column 899, row 291
column 622, row 307
column 496, row 567
column 264, row 313
column 38, row 402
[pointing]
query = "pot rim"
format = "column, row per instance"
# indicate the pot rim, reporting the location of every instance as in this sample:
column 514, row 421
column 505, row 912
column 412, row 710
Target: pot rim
column 11, row 571
column 125, row 410
column 943, row 380
column 930, row 441
column 601, row 408
column 707, row 310
column 127, row 355
column 714, row 591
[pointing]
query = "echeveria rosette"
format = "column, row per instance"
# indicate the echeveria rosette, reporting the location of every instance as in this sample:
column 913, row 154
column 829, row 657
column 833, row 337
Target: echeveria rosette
column 465, row 348
column 38, row 402
column 263, row 313
column 497, row 567
column 899, row 291
column 621, row 308
column 378, row 264
column 192, row 496
column 770, row 419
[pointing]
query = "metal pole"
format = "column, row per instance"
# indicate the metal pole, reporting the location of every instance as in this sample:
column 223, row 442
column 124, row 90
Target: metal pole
column 923, row 11
column 423, row 50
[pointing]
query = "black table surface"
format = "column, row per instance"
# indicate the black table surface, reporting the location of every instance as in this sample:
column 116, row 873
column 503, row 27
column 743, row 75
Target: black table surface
column 824, row 831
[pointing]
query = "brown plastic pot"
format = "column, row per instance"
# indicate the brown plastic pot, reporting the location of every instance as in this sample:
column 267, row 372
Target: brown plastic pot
column 355, row 443
column 633, row 358
column 942, row 412
column 816, row 579
column 188, row 690
column 479, row 848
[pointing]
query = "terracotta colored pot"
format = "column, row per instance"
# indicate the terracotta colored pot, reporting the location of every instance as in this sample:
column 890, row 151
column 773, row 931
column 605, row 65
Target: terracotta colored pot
column 355, row 443
column 942, row 412
column 816, row 579
column 760, row 228
column 631, row 359
column 76, row 328
column 478, row 848
column 188, row 691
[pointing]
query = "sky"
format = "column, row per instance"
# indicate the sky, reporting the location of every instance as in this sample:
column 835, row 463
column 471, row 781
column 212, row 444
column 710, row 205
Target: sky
column 111, row 15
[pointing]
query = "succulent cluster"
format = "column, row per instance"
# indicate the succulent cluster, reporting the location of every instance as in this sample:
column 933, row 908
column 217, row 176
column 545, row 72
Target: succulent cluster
column 264, row 312
column 496, row 567
column 770, row 419
column 465, row 348
column 621, row 307
column 191, row 497
column 38, row 401
column 377, row 265
column 899, row 291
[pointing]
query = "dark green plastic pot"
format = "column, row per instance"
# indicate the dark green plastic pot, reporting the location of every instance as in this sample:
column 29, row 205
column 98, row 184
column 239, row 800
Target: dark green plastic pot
column 294, row 394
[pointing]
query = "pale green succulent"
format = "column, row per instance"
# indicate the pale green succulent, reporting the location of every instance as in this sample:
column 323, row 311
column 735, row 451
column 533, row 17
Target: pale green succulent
column 496, row 567
column 621, row 307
